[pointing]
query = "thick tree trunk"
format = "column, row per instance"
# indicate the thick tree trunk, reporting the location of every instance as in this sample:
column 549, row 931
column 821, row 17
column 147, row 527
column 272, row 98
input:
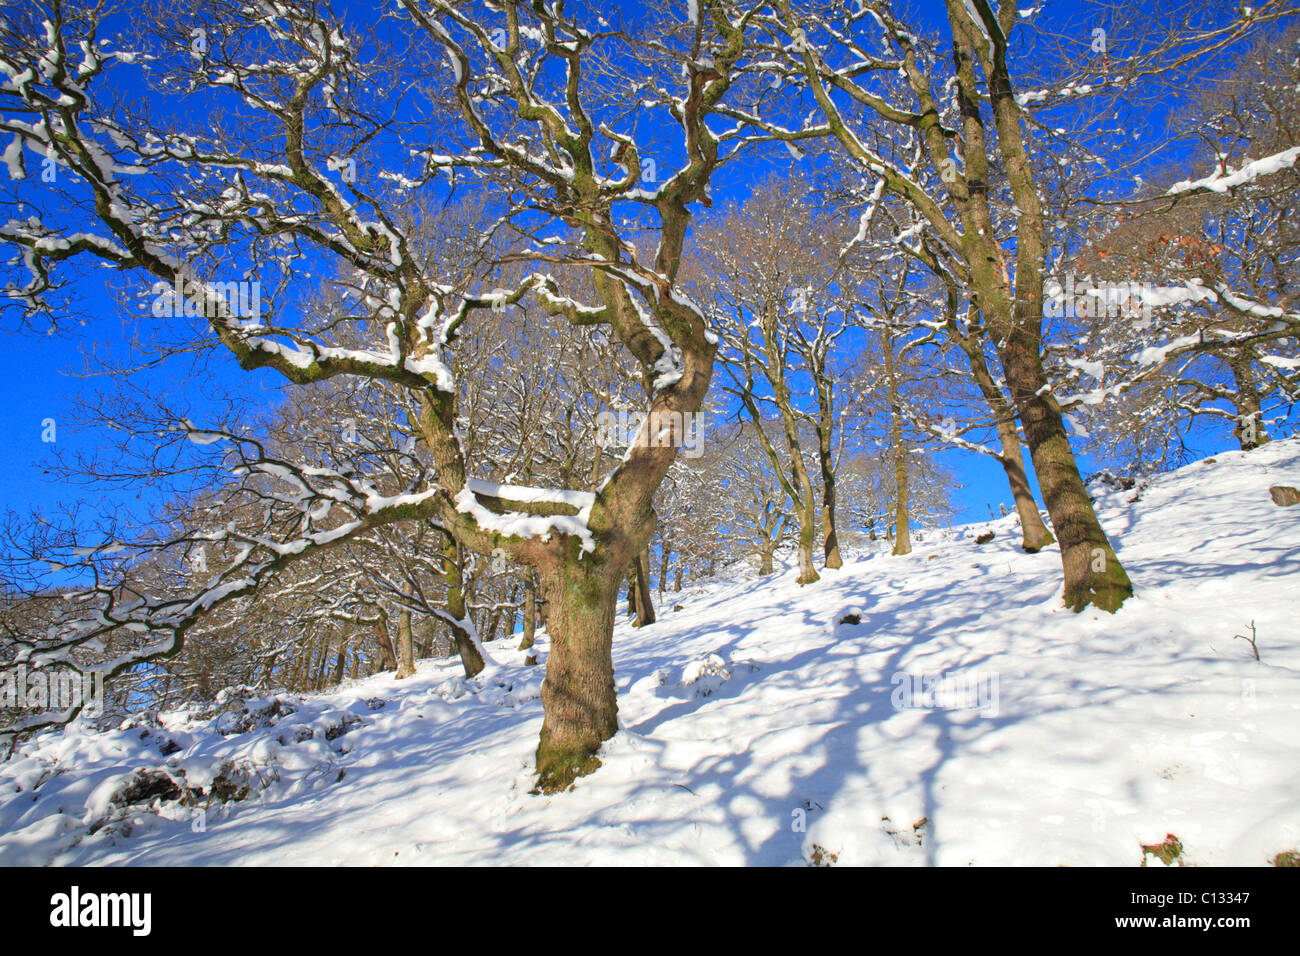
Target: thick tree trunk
column 765, row 561
column 578, row 697
column 632, row 593
column 387, row 659
column 321, row 668
column 405, row 646
column 807, row 514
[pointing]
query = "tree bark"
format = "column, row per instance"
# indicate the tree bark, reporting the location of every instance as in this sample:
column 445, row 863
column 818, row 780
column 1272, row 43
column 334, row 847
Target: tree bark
column 902, row 515
column 1093, row 574
column 825, row 431
column 387, row 659
column 1249, row 428
column 405, row 646
column 578, row 697
column 341, row 661
column 1034, row 535
column 460, row 622
column 664, row 552
column 530, row 612
column 1014, row 314
column 640, row 580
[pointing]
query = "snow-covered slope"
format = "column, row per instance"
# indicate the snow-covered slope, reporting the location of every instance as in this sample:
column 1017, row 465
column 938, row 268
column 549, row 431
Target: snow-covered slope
column 758, row 727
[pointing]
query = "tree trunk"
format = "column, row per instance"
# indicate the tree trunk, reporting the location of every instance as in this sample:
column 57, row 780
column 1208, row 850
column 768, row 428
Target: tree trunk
column 807, row 539
column 1249, row 429
column 664, row 551
column 578, row 697
column 341, row 660
column 405, row 646
column 387, row 655
column 632, row 593
column 902, row 515
column 1034, row 535
column 1093, row 574
column 321, row 669
column 797, row 485
column 530, row 612
column 645, row 609
column 461, row 624
column 825, row 430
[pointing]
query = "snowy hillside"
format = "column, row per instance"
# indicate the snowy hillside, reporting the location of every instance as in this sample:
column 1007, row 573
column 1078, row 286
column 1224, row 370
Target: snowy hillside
column 755, row 712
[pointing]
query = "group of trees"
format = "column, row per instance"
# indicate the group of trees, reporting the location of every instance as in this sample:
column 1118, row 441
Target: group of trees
column 481, row 229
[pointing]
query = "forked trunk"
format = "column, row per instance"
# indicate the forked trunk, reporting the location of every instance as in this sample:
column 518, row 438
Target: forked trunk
column 578, row 697
column 1093, row 575
column 1034, row 535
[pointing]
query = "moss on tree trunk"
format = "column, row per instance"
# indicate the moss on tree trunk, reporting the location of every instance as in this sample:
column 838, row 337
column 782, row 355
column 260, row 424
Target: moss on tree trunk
column 578, row 696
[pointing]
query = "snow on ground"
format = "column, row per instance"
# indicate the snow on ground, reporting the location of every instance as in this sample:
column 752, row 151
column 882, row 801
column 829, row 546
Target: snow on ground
column 756, row 726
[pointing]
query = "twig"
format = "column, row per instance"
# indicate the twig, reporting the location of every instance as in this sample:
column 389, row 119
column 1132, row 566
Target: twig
column 1251, row 639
